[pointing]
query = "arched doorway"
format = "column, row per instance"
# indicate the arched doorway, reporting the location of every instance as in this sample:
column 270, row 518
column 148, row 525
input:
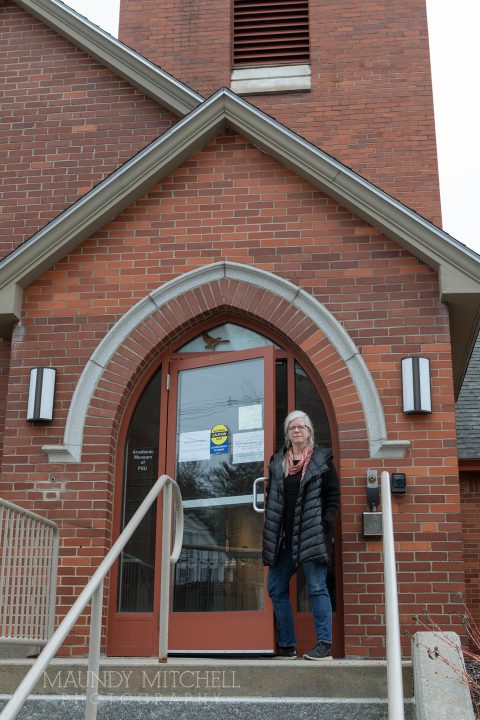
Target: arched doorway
column 210, row 416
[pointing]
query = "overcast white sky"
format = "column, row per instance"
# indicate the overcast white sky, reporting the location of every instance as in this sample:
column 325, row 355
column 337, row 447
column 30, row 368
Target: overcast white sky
column 455, row 54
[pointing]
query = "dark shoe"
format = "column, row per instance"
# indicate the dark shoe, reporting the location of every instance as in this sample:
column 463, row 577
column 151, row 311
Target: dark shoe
column 322, row 651
column 286, row 653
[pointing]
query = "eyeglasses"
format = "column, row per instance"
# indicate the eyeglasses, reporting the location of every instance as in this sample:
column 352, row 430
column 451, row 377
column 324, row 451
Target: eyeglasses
column 296, row 427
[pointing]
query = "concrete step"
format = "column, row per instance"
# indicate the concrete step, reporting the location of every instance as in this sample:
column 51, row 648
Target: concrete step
column 68, row 707
column 201, row 678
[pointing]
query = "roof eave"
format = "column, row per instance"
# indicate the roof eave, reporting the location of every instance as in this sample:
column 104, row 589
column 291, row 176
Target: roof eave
column 109, row 51
column 105, row 201
column 426, row 241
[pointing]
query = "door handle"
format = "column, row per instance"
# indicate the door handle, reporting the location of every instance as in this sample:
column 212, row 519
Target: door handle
column 257, row 497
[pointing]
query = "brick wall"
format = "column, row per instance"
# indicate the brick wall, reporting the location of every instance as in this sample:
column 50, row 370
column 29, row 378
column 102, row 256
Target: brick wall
column 231, row 201
column 66, row 123
column 371, row 101
column 470, row 497
column 4, row 371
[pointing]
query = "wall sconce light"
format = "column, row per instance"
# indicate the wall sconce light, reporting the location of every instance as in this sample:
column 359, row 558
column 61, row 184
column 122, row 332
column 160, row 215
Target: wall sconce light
column 417, row 396
column 41, row 394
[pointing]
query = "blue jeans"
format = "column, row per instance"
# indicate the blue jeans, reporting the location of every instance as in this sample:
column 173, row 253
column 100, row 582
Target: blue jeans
column 277, row 587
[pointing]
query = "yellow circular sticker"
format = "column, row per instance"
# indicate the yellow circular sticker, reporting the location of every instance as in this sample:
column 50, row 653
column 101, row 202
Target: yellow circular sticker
column 219, row 434
column 219, row 439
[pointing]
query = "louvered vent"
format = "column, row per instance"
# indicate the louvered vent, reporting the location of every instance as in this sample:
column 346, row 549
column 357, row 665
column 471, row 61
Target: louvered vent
column 270, row 32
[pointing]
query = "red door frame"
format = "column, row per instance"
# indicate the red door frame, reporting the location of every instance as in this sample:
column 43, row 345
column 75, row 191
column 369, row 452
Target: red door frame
column 136, row 634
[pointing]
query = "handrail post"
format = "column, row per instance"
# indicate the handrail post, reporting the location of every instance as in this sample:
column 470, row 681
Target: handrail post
column 94, row 587
column 94, row 653
column 394, row 652
column 165, row 573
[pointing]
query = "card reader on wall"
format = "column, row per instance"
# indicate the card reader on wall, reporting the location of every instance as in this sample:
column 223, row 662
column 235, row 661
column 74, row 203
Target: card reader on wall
column 398, row 483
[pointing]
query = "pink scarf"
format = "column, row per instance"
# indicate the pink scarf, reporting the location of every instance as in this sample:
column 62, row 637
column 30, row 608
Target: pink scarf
column 302, row 464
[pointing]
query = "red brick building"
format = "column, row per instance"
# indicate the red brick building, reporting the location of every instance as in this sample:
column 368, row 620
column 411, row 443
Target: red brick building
column 186, row 263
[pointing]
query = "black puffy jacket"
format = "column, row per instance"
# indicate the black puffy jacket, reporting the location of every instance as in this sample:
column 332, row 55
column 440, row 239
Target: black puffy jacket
column 317, row 504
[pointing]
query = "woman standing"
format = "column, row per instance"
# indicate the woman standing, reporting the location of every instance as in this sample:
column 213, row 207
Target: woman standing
column 302, row 500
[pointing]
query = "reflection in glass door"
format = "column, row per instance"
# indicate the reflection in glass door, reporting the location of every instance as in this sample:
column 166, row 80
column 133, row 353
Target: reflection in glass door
column 224, row 431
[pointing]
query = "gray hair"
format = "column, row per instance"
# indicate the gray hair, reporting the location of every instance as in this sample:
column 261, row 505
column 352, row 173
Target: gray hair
column 295, row 415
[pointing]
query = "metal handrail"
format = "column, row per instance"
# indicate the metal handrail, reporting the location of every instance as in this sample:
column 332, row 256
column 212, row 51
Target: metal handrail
column 28, row 575
column 94, row 591
column 394, row 652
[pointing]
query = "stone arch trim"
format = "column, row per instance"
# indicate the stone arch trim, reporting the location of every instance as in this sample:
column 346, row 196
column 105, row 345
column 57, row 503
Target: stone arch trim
column 167, row 310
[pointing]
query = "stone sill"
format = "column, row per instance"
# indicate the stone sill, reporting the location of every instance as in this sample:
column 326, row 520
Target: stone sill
column 271, row 79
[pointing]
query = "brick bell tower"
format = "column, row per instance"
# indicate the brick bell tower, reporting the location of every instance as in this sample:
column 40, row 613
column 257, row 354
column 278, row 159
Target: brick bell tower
column 352, row 77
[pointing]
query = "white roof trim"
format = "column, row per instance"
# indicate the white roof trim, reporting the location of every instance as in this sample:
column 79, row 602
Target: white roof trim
column 109, row 51
column 224, row 109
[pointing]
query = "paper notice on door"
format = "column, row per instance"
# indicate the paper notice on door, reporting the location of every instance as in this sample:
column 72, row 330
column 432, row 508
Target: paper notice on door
column 247, row 447
column 250, row 417
column 194, row 446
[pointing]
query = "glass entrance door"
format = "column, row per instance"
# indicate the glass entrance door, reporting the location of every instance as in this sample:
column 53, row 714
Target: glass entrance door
column 221, row 436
